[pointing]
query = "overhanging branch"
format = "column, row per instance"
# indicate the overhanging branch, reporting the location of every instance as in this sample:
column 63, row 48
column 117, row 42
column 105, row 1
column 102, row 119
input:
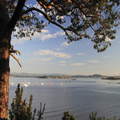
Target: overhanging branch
column 16, row 14
column 48, row 18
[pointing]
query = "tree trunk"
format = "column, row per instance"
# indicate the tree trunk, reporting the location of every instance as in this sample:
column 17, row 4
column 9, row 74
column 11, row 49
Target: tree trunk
column 5, row 36
column 4, row 79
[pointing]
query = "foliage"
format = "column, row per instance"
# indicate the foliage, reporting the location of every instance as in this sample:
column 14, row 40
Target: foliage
column 20, row 110
column 93, row 116
column 82, row 15
column 74, row 17
column 56, row 77
column 68, row 116
column 63, row 77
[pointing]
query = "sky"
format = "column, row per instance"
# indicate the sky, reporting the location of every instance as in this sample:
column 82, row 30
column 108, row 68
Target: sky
column 49, row 53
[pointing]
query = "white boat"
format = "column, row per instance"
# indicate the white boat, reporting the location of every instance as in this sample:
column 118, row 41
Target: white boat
column 42, row 83
column 12, row 83
column 25, row 84
column 28, row 82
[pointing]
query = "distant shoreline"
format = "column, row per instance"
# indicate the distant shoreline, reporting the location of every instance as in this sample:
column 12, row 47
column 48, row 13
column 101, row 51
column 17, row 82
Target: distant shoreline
column 111, row 78
column 63, row 76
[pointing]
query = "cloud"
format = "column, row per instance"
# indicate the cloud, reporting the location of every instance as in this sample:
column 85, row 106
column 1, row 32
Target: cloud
column 42, row 59
column 80, row 53
column 62, row 64
column 108, row 39
column 61, row 61
column 52, row 53
column 60, row 17
column 59, row 33
column 118, row 36
column 45, row 31
column 93, row 61
column 20, row 41
column 65, row 44
column 106, row 56
column 58, row 49
column 38, row 7
column 77, row 64
column 44, row 35
column 45, row 63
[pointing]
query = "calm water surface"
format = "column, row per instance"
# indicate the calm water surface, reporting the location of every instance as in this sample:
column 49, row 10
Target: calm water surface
column 80, row 96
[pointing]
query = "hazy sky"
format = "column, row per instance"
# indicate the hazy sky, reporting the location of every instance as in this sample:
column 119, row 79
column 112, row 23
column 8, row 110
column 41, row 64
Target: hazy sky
column 48, row 52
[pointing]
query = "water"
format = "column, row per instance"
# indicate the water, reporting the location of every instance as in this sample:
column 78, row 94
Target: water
column 80, row 96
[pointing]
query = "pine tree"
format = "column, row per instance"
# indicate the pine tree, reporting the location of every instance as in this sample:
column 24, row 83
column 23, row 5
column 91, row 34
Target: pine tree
column 20, row 110
column 82, row 15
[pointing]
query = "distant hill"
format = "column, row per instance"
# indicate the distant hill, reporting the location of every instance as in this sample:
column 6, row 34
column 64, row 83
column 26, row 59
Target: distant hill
column 111, row 78
column 94, row 75
column 15, row 74
column 24, row 74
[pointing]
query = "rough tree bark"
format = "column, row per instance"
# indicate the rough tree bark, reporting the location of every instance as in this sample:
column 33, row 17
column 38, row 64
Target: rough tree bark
column 5, row 36
column 6, row 27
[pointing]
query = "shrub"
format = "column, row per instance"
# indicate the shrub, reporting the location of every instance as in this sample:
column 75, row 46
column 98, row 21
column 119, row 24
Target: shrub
column 20, row 110
column 93, row 116
column 68, row 116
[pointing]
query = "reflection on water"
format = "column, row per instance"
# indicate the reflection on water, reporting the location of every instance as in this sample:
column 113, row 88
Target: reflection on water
column 80, row 97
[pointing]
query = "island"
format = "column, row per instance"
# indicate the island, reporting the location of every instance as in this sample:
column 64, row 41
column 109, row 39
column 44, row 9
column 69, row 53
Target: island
column 55, row 77
column 111, row 78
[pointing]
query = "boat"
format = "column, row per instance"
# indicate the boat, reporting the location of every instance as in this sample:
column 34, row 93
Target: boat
column 51, row 84
column 22, row 82
column 28, row 82
column 36, row 83
column 12, row 83
column 26, row 85
column 42, row 83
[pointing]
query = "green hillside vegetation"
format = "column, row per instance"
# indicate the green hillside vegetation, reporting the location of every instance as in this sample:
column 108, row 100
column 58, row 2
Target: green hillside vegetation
column 44, row 77
column 55, row 77
column 111, row 78
column 94, row 75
